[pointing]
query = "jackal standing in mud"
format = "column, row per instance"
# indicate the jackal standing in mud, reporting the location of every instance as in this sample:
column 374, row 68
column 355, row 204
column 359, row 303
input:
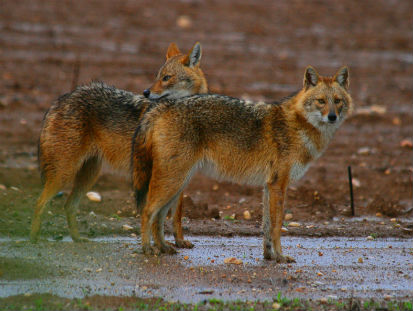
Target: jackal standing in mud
column 96, row 122
column 231, row 139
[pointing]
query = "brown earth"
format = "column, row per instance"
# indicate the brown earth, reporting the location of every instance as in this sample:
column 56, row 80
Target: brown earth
column 250, row 50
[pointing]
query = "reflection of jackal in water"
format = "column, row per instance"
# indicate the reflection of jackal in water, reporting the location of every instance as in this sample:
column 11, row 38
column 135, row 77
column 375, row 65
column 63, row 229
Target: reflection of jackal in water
column 96, row 122
column 255, row 143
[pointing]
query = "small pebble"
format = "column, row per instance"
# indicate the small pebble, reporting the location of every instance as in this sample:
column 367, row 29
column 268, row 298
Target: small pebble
column 393, row 220
column 323, row 300
column 356, row 182
column 2, row 187
column 364, row 151
column 378, row 109
column 294, row 224
column 396, row 121
column 360, row 260
column 370, row 238
column 233, row 260
column 247, row 215
column 406, row 143
column 288, row 216
column 276, row 306
column 184, row 21
column 126, row 227
column 379, row 215
column 283, row 229
column 94, row 196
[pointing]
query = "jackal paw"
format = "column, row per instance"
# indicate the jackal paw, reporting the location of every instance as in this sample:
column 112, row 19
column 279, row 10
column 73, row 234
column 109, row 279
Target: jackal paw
column 268, row 254
column 284, row 259
column 279, row 258
column 168, row 249
column 150, row 250
column 183, row 244
column 79, row 239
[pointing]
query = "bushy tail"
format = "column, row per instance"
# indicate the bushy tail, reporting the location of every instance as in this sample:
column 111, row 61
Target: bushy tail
column 141, row 165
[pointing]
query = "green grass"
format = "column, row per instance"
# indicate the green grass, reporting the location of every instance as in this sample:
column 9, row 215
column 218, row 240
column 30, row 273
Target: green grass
column 42, row 302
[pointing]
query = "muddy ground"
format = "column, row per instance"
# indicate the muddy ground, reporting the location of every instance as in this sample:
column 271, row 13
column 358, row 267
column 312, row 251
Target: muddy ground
column 255, row 50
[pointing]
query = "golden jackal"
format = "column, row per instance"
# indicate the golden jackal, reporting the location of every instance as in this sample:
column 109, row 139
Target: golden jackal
column 96, row 122
column 255, row 143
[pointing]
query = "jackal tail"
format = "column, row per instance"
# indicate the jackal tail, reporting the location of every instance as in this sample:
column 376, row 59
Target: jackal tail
column 141, row 162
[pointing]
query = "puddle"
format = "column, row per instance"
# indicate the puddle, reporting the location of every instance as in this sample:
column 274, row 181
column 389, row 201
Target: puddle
column 114, row 266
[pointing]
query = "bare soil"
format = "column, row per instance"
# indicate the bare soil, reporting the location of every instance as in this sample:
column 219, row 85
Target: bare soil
column 254, row 50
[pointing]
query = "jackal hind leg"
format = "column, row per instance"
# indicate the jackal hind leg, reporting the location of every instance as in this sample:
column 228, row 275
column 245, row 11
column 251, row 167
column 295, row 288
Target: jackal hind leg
column 164, row 191
column 158, row 233
column 51, row 187
column 84, row 180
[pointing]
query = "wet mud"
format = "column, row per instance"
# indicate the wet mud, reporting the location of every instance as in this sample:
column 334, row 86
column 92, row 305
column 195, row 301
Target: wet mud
column 113, row 266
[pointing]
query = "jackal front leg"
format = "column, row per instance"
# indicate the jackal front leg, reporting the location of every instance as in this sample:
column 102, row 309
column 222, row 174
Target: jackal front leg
column 180, row 242
column 277, row 192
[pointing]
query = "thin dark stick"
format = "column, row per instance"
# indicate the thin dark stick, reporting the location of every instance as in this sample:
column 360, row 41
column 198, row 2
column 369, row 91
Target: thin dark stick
column 76, row 70
column 350, row 181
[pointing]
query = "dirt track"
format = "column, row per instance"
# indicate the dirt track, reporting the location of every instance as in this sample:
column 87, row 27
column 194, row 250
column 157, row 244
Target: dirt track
column 124, row 43
column 250, row 49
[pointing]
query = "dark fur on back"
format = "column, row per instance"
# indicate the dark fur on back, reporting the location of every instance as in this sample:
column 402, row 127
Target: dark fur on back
column 209, row 115
column 90, row 107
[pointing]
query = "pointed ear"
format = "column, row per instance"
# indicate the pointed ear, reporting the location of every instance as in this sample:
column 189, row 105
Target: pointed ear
column 342, row 77
column 194, row 56
column 173, row 50
column 310, row 77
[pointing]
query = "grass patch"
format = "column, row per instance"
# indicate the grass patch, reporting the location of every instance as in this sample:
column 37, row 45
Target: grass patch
column 41, row 302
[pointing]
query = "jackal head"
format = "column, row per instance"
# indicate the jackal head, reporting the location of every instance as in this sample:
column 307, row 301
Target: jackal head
column 326, row 100
column 180, row 76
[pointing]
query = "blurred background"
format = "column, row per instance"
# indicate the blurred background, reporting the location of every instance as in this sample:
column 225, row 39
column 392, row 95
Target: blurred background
column 251, row 49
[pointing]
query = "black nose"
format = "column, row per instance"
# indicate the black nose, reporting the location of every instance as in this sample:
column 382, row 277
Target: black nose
column 146, row 93
column 332, row 117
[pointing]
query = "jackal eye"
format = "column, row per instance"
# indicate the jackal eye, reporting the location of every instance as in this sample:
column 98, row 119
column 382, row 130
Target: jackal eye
column 321, row 101
column 166, row 78
column 337, row 100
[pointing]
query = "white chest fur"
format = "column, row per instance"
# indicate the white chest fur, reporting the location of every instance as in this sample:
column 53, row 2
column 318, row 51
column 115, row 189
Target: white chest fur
column 298, row 170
